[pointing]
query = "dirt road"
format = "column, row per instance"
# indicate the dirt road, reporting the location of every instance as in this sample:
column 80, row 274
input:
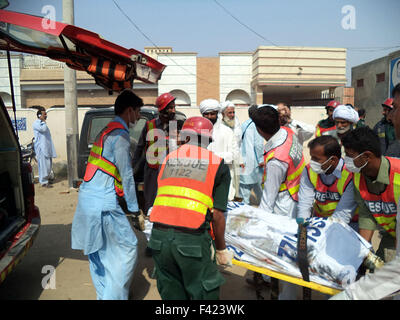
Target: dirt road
column 52, row 248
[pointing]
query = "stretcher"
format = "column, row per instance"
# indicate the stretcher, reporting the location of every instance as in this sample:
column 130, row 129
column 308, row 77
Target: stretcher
column 285, row 277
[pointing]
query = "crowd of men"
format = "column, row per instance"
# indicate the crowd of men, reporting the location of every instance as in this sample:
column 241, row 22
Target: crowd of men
column 193, row 169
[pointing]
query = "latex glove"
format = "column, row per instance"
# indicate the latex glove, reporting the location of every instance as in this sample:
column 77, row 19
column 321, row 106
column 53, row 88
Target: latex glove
column 224, row 257
column 340, row 296
column 373, row 262
column 137, row 219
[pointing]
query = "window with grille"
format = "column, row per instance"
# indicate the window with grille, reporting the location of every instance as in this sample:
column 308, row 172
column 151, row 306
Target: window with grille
column 380, row 77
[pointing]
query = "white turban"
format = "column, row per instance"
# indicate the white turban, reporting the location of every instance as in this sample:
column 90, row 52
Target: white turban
column 209, row 105
column 225, row 105
column 346, row 113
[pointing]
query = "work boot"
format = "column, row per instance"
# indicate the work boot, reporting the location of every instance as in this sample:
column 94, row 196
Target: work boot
column 257, row 281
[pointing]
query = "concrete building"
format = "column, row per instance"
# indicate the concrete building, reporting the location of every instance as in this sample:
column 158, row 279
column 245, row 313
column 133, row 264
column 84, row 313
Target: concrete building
column 5, row 89
column 298, row 75
column 373, row 82
column 304, row 77
column 301, row 76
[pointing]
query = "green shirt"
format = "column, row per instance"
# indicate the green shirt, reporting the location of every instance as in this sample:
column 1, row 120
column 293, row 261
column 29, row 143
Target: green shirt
column 221, row 186
column 360, row 123
column 326, row 123
column 366, row 220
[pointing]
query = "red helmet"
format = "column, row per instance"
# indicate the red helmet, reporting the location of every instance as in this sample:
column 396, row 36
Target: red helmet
column 332, row 103
column 200, row 125
column 164, row 100
column 388, row 103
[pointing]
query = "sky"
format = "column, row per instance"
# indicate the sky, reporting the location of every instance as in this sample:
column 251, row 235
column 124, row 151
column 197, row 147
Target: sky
column 369, row 29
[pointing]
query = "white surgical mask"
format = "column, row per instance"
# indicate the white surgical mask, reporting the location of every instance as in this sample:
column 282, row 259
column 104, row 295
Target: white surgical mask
column 317, row 167
column 131, row 124
column 349, row 162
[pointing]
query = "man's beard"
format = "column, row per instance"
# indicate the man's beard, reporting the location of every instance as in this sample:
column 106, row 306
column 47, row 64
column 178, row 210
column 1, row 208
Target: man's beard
column 229, row 122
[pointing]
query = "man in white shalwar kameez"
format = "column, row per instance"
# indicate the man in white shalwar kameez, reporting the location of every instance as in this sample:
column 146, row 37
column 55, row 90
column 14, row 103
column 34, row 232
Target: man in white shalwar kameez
column 229, row 119
column 44, row 148
column 224, row 142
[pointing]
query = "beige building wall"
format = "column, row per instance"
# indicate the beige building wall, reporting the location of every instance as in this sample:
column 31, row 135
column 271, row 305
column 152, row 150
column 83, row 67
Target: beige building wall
column 48, row 99
column 300, row 65
column 208, row 78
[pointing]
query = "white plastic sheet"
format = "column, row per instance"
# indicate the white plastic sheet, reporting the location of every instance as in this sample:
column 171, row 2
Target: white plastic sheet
column 335, row 250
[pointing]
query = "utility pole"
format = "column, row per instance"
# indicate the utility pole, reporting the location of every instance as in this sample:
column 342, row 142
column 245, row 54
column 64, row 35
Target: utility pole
column 71, row 106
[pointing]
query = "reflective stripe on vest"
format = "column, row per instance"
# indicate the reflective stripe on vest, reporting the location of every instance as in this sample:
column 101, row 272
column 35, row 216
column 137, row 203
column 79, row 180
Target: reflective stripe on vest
column 383, row 206
column 184, row 194
column 290, row 152
column 153, row 152
column 96, row 161
column 320, row 131
column 328, row 197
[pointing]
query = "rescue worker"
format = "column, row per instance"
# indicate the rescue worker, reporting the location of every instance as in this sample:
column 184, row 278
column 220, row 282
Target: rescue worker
column 327, row 124
column 303, row 130
column 44, row 148
column 376, row 187
column 193, row 186
column 100, row 226
column 326, row 187
column 154, row 142
column 386, row 133
column 386, row 280
column 284, row 163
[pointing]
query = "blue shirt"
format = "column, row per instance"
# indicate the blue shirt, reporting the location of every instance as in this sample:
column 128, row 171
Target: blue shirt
column 43, row 143
column 252, row 149
column 98, row 195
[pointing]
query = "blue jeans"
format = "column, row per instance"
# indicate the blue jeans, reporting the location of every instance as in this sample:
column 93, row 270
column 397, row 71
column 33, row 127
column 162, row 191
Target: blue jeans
column 112, row 266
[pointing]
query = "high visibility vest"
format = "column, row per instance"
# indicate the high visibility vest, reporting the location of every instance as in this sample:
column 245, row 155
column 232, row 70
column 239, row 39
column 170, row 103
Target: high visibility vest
column 290, row 152
column 320, row 131
column 153, row 152
column 327, row 197
column 96, row 161
column 383, row 206
column 185, row 186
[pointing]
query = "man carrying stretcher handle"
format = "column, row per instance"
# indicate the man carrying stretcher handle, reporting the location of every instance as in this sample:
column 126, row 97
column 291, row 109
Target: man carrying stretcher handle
column 193, row 186
column 386, row 280
column 326, row 187
column 284, row 163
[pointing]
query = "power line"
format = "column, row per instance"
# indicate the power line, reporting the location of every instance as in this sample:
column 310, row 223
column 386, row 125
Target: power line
column 155, row 45
column 361, row 49
column 244, row 25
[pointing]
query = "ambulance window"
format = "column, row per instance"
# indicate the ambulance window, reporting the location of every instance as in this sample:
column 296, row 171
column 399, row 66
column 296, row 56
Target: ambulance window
column 137, row 130
column 96, row 125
